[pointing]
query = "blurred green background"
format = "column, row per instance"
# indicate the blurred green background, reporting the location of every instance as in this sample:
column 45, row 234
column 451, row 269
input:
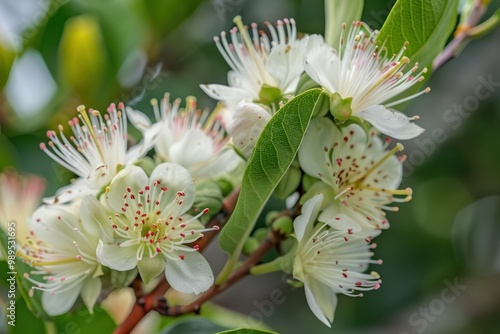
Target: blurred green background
column 55, row 55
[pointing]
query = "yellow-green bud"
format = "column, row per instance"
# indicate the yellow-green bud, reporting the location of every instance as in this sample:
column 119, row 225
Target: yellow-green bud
column 271, row 216
column 283, row 225
column 340, row 108
column 251, row 244
column 261, row 234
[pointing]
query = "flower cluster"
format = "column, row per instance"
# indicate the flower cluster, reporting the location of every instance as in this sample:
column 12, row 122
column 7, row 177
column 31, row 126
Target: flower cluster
column 136, row 208
column 125, row 212
column 355, row 176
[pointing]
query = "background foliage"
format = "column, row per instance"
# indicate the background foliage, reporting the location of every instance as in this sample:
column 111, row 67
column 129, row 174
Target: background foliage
column 94, row 52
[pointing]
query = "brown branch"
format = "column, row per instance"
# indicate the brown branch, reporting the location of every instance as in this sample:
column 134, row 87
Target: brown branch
column 272, row 240
column 153, row 300
column 461, row 35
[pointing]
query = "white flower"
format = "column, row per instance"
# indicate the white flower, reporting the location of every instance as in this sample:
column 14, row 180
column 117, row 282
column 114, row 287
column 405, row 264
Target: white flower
column 258, row 62
column 95, row 151
column 330, row 262
column 248, row 122
column 361, row 178
column 63, row 252
column 364, row 72
column 195, row 139
column 144, row 226
column 21, row 195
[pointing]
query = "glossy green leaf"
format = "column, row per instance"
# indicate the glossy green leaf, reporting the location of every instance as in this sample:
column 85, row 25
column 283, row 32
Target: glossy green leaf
column 273, row 154
column 424, row 24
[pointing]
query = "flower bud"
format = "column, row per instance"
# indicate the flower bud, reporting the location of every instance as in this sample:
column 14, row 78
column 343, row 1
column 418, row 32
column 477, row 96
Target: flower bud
column 283, row 225
column 271, row 216
column 82, row 54
column 208, row 195
column 260, row 234
column 251, row 244
column 340, row 108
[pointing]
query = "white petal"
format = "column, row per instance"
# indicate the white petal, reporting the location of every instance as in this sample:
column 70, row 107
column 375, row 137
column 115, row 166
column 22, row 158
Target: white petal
column 321, row 300
column 175, row 178
column 71, row 192
column 340, row 218
column 248, row 122
column 319, row 134
column 222, row 93
column 138, row 120
column 90, row 292
column 163, row 142
column 320, row 61
column 131, row 176
column 225, row 162
column 60, row 302
column 193, row 148
column 47, row 224
column 116, row 257
column 285, row 64
column 191, row 275
column 392, row 123
column 150, row 138
column 95, row 219
column 304, row 223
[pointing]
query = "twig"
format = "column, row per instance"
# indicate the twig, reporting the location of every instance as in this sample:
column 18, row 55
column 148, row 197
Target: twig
column 462, row 34
column 153, row 300
column 272, row 240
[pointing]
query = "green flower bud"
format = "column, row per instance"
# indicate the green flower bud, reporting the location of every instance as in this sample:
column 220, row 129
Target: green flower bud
column 308, row 181
column 260, row 234
column 225, row 186
column 283, row 225
column 251, row 244
column 269, row 95
column 322, row 105
column 340, row 108
column 122, row 279
column 208, row 195
column 83, row 61
column 305, row 83
column 271, row 216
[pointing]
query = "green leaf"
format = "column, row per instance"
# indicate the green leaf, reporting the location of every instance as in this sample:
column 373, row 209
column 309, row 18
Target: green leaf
column 424, row 24
column 82, row 321
column 338, row 12
column 192, row 325
column 273, row 154
column 246, row 331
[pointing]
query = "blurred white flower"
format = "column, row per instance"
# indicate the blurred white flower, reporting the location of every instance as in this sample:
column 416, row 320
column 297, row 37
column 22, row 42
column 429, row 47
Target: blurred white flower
column 363, row 71
column 95, row 151
column 330, row 262
column 20, row 195
column 360, row 178
column 262, row 68
column 195, row 139
column 144, row 218
column 63, row 252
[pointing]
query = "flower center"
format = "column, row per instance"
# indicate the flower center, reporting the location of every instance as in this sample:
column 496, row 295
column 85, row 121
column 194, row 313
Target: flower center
column 147, row 219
